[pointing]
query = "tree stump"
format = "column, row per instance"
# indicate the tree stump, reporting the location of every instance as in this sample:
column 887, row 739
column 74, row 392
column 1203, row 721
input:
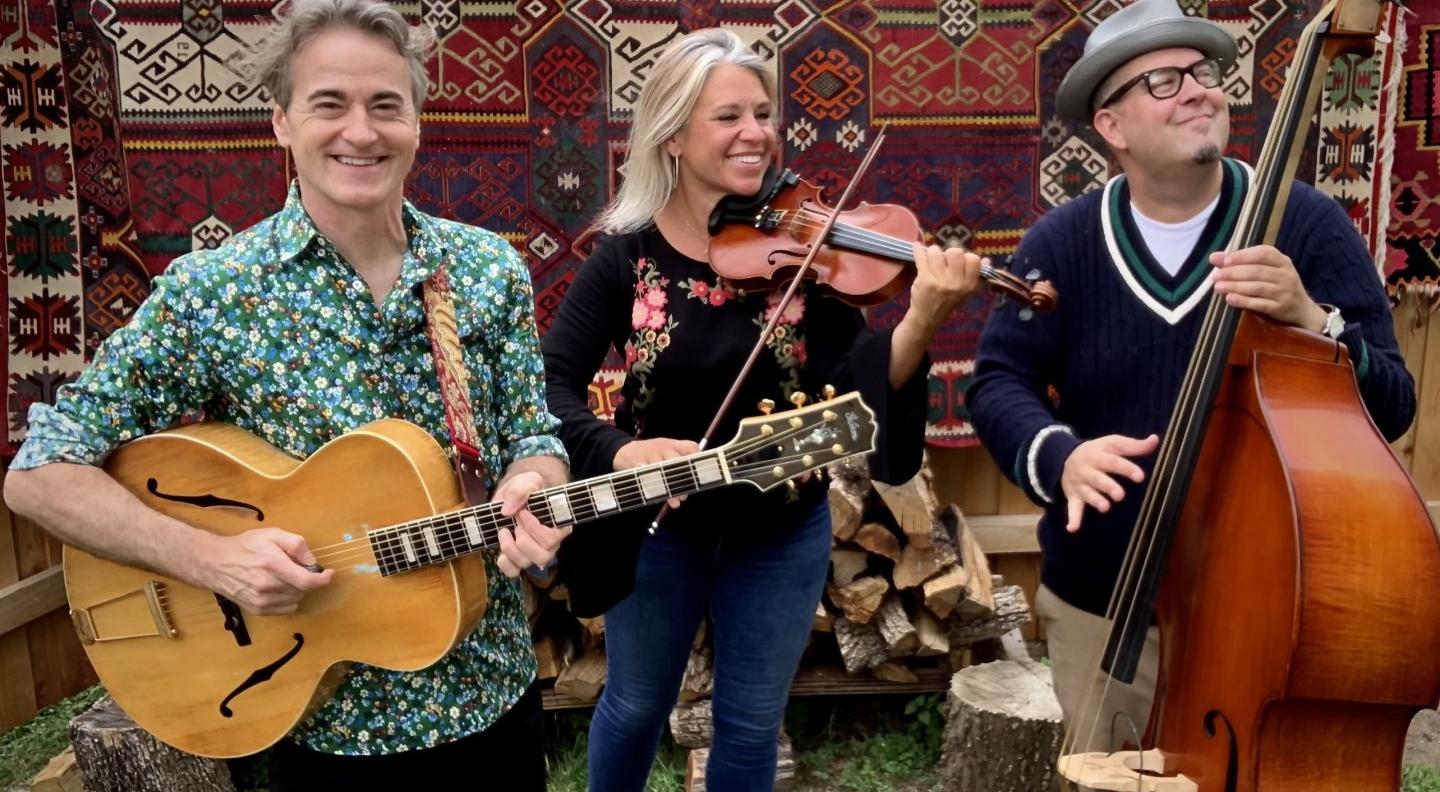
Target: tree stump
column 116, row 755
column 1003, row 730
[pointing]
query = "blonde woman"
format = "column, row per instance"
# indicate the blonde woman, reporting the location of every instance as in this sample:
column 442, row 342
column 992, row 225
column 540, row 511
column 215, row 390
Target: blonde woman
column 704, row 128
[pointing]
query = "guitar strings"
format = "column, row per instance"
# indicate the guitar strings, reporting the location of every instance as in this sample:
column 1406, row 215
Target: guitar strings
column 389, row 548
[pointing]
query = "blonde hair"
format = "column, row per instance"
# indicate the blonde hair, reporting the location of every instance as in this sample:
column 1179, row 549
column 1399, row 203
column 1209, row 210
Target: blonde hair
column 267, row 64
column 661, row 112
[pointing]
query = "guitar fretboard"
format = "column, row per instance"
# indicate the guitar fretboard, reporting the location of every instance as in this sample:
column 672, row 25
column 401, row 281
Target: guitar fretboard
column 444, row 537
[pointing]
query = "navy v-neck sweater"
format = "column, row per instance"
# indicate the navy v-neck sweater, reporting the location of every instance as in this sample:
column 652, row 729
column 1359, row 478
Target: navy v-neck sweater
column 1111, row 358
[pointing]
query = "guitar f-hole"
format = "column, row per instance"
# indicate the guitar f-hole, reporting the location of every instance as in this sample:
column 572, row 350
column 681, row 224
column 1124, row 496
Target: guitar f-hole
column 259, row 675
column 203, row 501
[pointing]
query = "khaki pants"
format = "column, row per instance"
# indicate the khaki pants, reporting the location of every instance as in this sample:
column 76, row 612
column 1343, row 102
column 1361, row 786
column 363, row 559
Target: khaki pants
column 1076, row 639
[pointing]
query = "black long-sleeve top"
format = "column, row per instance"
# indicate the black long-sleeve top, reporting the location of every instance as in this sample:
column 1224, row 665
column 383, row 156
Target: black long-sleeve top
column 685, row 333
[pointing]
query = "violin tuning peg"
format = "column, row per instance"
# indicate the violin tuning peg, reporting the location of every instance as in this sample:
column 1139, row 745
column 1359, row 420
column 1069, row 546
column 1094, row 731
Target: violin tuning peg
column 828, row 392
column 798, row 399
column 766, row 405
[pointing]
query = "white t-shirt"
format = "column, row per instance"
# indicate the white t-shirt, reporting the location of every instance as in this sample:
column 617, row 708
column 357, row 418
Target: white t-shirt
column 1171, row 243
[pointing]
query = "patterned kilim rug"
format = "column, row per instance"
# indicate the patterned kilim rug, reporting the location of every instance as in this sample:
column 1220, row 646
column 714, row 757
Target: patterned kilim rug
column 526, row 123
column 1412, row 261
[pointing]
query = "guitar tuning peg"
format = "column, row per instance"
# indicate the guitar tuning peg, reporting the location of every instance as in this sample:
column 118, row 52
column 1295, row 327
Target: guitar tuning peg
column 828, row 392
column 798, row 399
column 791, row 486
column 766, row 405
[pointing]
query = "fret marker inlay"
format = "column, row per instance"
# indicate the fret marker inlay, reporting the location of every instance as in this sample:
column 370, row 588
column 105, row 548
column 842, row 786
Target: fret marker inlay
column 707, row 471
column 560, row 508
column 603, row 496
column 652, row 485
column 472, row 530
column 409, row 549
column 431, row 543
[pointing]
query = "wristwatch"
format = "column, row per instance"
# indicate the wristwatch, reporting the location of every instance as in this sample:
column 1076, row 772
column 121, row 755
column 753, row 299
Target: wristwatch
column 1334, row 322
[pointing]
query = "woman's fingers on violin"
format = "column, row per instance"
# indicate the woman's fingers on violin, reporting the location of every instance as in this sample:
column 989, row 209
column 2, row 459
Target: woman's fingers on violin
column 964, row 266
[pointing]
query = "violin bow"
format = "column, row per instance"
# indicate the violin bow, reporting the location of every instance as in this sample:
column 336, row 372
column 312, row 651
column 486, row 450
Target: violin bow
column 784, row 301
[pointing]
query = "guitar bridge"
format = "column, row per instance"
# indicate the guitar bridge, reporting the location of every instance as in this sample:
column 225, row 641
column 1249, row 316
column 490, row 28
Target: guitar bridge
column 135, row 614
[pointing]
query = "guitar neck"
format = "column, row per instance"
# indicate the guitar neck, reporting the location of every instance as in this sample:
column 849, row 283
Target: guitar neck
column 445, row 537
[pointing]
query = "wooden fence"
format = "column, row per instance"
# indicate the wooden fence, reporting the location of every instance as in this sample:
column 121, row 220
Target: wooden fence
column 41, row 661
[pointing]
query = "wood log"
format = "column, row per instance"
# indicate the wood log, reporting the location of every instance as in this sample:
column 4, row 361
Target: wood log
column 584, row 677
column 592, row 631
column 894, row 671
column 943, row 592
column 846, row 565
column 824, row 619
column 553, row 654
column 115, row 755
column 1003, row 730
column 932, row 636
column 919, row 564
column 895, row 627
column 913, row 505
column 861, row 646
column 692, row 724
column 784, row 767
column 1011, row 611
column 847, row 506
column 861, row 598
column 878, row 539
column 699, row 677
column 979, row 596
column 61, row 774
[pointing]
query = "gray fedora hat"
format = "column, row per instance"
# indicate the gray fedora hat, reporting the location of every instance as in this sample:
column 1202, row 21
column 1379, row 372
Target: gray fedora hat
column 1144, row 26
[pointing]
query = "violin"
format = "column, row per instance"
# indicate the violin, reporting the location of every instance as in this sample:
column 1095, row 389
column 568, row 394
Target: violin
column 761, row 240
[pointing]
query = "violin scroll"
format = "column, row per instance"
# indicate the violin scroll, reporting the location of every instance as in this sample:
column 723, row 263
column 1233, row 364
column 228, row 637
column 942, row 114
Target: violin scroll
column 1041, row 296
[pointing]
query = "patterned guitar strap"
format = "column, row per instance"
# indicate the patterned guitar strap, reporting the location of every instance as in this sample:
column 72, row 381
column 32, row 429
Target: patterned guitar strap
column 454, row 386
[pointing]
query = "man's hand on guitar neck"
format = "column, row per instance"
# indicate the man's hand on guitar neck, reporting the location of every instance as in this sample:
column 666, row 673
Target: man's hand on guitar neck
column 264, row 570
column 530, row 543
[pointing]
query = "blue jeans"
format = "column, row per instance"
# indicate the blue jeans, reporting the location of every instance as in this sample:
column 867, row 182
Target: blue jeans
column 761, row 597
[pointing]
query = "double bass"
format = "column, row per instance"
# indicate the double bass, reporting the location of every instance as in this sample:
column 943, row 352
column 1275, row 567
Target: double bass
column 1289, row 562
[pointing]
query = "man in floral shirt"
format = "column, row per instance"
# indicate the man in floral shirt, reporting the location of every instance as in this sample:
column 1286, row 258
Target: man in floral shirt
column 299, row 329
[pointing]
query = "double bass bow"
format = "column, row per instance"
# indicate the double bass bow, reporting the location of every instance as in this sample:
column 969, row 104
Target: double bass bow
column 1284, row 553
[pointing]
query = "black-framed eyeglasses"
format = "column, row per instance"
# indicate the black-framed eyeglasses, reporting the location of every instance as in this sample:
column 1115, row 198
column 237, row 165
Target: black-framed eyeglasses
column 1165, row 82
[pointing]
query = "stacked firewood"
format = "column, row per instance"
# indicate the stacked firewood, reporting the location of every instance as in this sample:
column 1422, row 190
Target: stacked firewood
column 909, row 587
column 907, row 579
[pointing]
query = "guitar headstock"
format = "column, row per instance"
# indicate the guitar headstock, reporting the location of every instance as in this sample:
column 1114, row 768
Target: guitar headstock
column 769, row 450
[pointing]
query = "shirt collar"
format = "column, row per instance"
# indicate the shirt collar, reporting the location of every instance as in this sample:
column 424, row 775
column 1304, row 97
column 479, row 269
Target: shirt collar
column 296, row 233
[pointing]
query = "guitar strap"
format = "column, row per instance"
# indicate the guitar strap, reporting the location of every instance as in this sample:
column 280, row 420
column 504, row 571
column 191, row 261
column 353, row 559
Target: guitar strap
column 454, row 386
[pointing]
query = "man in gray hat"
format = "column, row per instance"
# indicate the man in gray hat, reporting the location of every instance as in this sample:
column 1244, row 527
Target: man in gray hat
column 1136, row 263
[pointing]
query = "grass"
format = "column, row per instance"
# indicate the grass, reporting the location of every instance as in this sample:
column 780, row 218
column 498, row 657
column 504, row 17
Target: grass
column 25, row 750
column 854, row 744
column 1417, row 778
column 841, row 744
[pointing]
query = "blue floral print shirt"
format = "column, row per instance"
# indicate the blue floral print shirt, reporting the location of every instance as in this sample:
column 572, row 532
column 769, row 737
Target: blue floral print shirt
column 275, row 333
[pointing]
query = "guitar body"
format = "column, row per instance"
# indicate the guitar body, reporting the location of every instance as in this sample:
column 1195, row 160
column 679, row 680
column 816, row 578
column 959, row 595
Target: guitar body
column 221, row 682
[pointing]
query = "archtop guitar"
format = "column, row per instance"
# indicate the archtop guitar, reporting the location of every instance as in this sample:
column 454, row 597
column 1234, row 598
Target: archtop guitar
column 382, row 507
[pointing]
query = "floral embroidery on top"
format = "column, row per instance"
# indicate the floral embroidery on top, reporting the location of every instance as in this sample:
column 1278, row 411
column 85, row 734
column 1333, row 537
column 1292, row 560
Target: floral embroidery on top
column 652, row 327
column 787, row 342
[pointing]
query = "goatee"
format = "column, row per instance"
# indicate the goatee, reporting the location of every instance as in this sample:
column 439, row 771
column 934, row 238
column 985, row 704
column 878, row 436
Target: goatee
column 1208, row 154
